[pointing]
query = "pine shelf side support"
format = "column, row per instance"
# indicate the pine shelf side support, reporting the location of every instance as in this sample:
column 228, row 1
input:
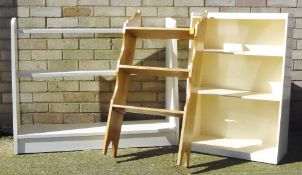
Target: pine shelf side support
column 191, row 101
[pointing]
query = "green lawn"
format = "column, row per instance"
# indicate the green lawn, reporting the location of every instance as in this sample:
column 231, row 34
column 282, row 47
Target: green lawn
column 156, row 160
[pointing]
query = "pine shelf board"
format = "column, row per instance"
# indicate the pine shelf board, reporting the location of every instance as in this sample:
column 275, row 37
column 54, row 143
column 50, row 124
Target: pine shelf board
column 148, row 111
column 155, row 71
column 90, row 129
column 252, row 50
column 160, row 33
column 237, row 93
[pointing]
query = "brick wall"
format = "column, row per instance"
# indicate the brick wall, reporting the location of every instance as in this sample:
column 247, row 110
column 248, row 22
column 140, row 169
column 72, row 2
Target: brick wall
column 72, row 100
column 78, row 99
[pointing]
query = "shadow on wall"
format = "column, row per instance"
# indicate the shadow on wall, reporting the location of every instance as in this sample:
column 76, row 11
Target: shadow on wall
column 7, row 11
column 296, row 109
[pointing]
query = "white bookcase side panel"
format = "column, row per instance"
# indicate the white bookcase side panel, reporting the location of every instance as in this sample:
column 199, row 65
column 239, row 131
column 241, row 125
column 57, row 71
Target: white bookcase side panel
column 285, row 105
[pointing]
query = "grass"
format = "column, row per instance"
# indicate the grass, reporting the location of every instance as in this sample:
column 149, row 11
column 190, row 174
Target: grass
column 156, row 160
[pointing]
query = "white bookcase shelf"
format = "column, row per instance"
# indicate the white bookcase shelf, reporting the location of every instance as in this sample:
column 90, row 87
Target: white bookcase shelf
column 243, row 94
column 243, row 86
column 88, row 129
column 39, row 74
column 253, row 50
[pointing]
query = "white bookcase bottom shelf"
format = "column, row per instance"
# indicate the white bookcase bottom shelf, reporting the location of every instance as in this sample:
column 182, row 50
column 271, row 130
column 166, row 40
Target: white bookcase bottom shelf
column 249, row 149
column 68, row 137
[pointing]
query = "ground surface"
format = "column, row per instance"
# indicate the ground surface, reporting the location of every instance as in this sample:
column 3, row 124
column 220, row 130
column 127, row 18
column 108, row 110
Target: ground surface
column 157, row 160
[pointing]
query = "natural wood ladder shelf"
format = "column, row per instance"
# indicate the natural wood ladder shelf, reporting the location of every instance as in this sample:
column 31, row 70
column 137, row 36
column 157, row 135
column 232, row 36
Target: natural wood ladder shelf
column 125, row 69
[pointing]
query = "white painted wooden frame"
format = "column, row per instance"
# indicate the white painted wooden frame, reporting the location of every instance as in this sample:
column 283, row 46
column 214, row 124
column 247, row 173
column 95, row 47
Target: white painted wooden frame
column 68, row 137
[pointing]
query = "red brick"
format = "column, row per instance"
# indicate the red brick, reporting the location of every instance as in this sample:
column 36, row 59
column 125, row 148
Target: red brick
column 48, row 118
column 77, row 11
column 251, row 3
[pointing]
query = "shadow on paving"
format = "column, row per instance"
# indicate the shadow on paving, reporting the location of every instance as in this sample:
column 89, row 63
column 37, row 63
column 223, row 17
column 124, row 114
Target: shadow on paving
column 216, row 165
column 148, row 153
column 293, row 155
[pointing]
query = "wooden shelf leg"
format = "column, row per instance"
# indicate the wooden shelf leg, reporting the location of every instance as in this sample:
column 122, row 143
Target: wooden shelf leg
column 187, row 131
column 184, row 155
column 115, row 118
column 114, row 125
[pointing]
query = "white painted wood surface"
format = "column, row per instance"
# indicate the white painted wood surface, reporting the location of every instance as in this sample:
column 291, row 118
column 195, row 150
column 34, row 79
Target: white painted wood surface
column 93, row 142
column 243, row 103
column 36, row 74
column 171, row 91
column 285, row 103
column 89, row 129
column 246, row 16
column 243, row 94
column 86, row 136
column 15, row 83
column 78, row 30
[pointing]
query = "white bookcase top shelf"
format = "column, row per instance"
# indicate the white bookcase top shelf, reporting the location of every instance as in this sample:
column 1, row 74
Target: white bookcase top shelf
column 237, row 93
column 252, row 16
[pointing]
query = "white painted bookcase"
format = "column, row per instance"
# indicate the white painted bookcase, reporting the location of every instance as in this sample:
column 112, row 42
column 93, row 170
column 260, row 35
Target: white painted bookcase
column 244, row 88
column 68, row 137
